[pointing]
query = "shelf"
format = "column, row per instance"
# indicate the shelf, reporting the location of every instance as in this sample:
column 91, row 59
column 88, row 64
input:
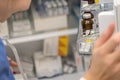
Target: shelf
column 42, row 36
column 75, row 76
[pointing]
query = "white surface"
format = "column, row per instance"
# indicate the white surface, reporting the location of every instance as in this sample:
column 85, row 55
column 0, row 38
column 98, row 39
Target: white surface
column 105, row 18
column 42, row 36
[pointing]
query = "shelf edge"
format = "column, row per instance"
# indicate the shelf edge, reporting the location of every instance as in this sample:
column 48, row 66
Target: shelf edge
column 43, row 36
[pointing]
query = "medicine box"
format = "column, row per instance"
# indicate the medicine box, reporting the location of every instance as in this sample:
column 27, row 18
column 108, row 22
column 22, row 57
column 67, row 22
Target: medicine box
column 4, row 30
column 49, row 23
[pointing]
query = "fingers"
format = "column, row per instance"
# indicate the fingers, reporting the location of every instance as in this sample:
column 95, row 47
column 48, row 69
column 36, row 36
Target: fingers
column 13, row 64
column 116, row 55
column 104, row 36
column 112, row 43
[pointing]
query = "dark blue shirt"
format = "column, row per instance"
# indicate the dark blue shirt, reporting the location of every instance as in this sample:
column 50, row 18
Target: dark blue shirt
column 5, row 72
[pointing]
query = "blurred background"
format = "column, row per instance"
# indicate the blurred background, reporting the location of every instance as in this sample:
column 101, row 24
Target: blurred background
column 47, row 38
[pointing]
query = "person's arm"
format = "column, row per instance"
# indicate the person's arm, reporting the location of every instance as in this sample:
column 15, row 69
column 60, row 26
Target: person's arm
column 105, row 63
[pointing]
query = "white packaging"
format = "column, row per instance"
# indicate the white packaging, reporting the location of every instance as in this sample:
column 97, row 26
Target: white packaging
column 87, row 48
column 84, row 3
column 65, row 69
column 71, row 70
column 82, row 47
column 51, row 47
column 27, row 66
column 65, row 7
column 21, row 25
column 46, row 66
column 54, row 7
column 50, row 23
column 4, row 30
column 60, row 7
column 49, row 9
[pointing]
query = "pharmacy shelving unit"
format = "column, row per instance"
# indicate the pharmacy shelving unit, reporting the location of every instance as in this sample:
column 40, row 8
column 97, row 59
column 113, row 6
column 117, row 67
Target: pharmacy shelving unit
column 45, row 35
column 28, row 45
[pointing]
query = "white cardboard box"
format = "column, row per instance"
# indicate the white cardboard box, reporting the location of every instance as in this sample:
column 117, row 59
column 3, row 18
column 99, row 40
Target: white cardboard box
column 46, row 66
column 4, row 30
column 51, row 46
column 49, row 23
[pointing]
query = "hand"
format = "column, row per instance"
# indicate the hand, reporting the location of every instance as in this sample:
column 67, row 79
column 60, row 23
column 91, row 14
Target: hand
column 105, row 63
column 8, row 7
column 12, row 64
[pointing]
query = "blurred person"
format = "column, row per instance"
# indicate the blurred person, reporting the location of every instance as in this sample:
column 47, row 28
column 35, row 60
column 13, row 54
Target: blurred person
column 7, row 8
